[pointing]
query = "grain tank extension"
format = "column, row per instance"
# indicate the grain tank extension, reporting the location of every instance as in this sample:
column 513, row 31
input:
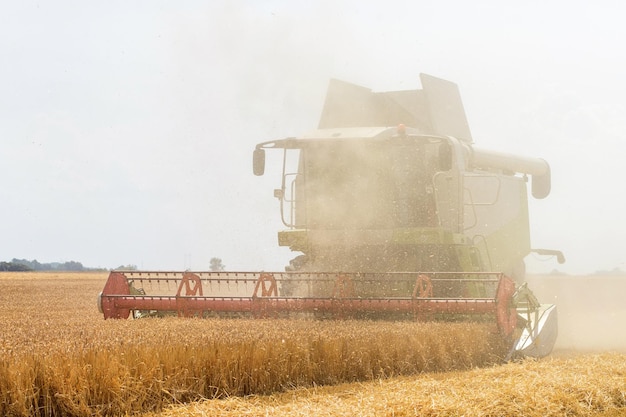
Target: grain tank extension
column 391, row 212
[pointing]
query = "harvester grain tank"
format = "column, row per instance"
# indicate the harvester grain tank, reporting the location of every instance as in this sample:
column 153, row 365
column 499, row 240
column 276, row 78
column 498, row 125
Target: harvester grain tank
column 393, row 213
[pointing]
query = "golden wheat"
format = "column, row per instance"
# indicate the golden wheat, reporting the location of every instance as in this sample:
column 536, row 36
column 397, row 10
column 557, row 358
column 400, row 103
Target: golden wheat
column 59, row 357
column 589, row 385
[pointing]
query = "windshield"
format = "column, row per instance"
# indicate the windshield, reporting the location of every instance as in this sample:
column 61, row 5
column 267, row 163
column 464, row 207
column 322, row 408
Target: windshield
column 366, row 184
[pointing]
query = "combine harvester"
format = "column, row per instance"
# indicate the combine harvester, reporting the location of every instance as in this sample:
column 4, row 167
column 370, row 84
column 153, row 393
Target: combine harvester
column 401, row 222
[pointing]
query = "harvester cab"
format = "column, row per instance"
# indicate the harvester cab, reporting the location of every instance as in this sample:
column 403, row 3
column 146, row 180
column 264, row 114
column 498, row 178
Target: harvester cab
column 359, row 195
column 393, row 213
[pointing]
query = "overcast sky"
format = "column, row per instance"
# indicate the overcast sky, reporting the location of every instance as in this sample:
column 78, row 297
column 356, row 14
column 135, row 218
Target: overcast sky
column 127, row 128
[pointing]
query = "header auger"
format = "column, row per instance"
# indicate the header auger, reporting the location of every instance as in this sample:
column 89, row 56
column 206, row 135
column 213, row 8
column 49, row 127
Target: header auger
column 391, row 189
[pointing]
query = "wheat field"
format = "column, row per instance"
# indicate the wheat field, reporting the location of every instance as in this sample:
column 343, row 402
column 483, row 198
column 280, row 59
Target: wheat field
column 589, row 385
column 59, row 357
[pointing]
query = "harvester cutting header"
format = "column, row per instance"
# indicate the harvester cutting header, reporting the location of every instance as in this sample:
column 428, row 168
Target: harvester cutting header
column 393, row 213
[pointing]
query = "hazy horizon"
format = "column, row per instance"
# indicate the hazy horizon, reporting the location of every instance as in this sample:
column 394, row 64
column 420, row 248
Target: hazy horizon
column 127, row 129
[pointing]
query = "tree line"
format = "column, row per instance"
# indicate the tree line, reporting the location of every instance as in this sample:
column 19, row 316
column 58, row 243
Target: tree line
column 24, row 265
column 34, row 265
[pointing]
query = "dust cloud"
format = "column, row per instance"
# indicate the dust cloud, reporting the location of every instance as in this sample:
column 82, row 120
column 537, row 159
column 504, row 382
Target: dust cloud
column 591, row 310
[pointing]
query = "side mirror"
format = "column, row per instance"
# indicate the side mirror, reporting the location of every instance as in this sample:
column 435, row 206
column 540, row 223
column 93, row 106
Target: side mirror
column 541, row 184
column 258, row 162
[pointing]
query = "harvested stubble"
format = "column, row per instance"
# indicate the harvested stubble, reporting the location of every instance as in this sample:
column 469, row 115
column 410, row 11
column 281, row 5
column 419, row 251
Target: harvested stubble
column 589, row 385
column 59, row 357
